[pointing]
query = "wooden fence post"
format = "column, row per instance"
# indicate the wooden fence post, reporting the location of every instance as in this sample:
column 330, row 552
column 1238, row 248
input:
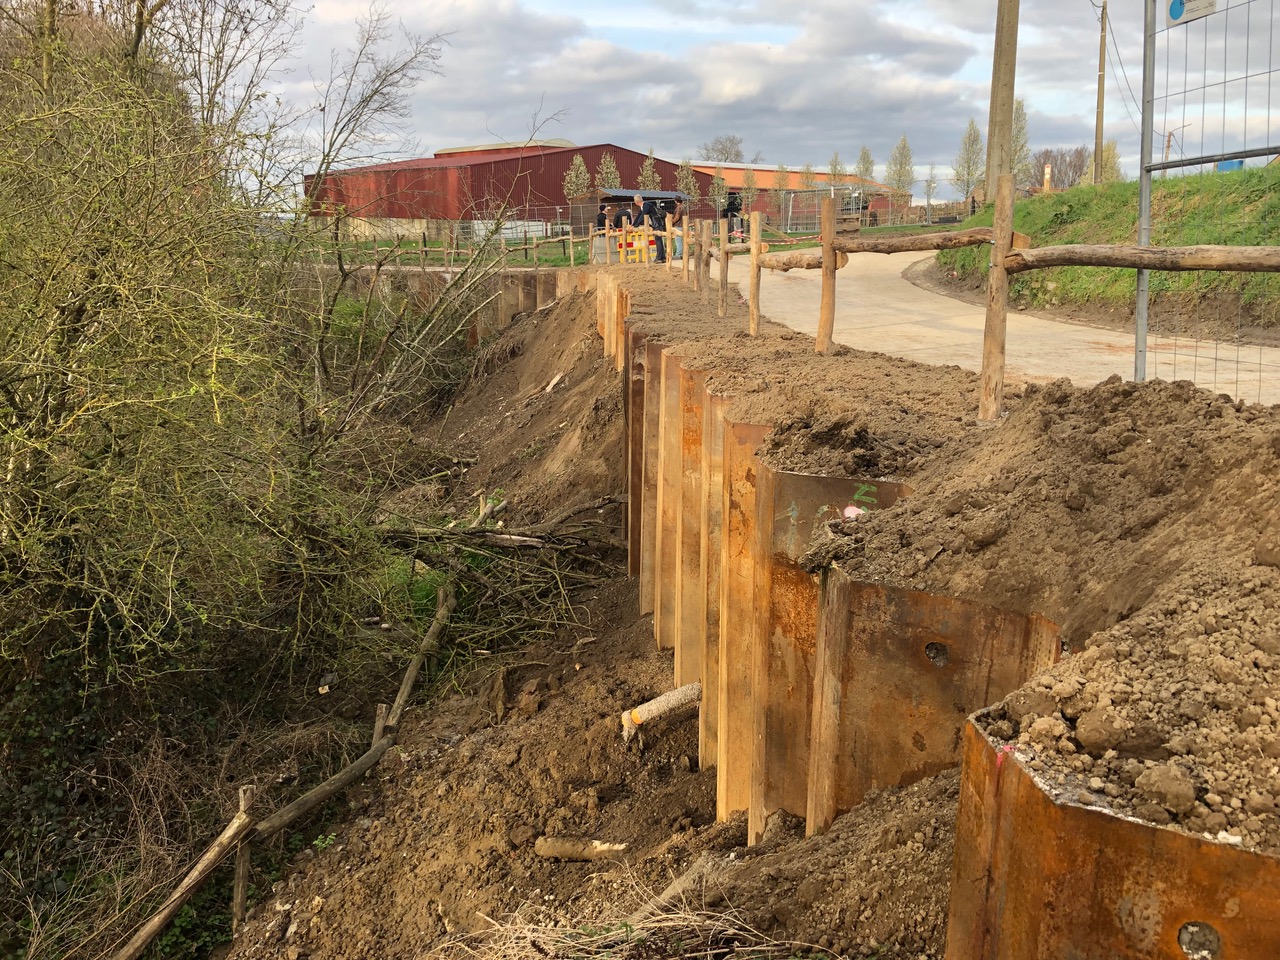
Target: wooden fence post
column 991, row 398
column 753, row 298
column 571, row 257
column 696, row 251
column 240, row 891
column 827, row 309
column 684, row 249
column 723, row 309
column 704, row 257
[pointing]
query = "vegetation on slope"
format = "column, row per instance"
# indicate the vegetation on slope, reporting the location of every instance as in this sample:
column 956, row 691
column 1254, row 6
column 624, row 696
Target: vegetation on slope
column 1240, row 208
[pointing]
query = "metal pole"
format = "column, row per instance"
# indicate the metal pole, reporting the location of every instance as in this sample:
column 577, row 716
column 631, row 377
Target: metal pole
column 1143, row 299
column 1102, row 82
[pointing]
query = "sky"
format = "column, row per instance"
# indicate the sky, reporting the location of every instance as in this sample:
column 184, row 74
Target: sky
column 797, row 81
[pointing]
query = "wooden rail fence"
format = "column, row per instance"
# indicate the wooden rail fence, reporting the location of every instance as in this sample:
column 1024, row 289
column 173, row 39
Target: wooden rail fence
column 1012, row 253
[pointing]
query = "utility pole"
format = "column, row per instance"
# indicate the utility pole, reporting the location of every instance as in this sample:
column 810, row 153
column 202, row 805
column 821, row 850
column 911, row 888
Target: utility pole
column 1000, row 121
column 1102, row 80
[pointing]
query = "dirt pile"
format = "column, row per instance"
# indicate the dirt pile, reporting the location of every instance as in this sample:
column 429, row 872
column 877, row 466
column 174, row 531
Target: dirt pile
column 1143, row 519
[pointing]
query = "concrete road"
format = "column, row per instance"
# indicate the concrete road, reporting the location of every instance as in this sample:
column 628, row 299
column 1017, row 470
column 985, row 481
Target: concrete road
column 877, row 309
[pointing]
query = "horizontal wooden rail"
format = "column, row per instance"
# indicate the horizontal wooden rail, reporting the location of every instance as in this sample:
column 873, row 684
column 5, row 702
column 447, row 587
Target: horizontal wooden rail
column 1243, row 259
column 799, row 260
column 921, row 241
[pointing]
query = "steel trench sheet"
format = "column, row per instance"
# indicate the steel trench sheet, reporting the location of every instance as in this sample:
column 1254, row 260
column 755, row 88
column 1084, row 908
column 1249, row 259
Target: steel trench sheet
column 790, row 507
column 897, row 671
column 1035, row 878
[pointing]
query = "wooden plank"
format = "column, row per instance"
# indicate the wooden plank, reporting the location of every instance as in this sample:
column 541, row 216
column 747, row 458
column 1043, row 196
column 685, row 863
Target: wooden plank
column 827, row 307
column 649, row 493
column 697, row 256
column 739, row 627
column 711, row 537
column 991, row 398
column 691, row 598
column 667, row 573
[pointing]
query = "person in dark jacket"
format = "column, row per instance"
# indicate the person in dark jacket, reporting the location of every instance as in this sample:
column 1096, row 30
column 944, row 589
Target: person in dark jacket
column 657, row 221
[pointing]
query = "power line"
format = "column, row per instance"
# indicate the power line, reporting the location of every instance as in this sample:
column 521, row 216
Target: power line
column 1124, row 73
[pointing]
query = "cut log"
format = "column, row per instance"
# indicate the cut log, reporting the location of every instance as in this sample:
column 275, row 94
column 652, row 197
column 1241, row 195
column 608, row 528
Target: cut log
column 921, row 241
column 799, row 260
column 1244, row 259
column 659, row 706
column 577, row 848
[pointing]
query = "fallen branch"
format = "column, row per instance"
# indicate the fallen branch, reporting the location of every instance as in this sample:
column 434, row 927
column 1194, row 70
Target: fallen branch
column 576, row 848
column 659, row 706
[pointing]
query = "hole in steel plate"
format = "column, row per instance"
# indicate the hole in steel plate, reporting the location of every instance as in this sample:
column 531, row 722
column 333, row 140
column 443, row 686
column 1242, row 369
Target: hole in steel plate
column 1199, row 941
column 938, row 653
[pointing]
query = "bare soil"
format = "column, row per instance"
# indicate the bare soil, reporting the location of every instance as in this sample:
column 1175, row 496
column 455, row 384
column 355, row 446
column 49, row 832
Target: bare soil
column 1143, row 519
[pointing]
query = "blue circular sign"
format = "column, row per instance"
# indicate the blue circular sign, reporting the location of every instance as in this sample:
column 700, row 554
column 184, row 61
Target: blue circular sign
column 1177, row 8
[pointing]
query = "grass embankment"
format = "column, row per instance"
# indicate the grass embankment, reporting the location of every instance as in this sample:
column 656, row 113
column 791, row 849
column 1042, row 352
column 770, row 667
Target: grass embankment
column 1241, row 208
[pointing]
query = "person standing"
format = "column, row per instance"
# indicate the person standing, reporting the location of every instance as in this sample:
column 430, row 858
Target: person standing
column 677, row 224
column 657, row 220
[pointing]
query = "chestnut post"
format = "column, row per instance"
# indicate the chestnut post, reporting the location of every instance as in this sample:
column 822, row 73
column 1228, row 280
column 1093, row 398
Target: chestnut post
column 696, row 251
column 723, row 308
column 671, row 246
column 704, row 256
column 608, row 239
column 684, row 249
column 240, row 890
column 991, row 397
column 571, row 263
column 827, row 308
column 753, row 298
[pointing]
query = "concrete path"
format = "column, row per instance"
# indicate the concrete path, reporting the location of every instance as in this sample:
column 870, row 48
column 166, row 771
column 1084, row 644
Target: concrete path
column 876, row 309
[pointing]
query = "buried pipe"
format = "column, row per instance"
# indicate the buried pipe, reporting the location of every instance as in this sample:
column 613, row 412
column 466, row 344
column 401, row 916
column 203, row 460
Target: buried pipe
column 669, row 702
column 1037, row 877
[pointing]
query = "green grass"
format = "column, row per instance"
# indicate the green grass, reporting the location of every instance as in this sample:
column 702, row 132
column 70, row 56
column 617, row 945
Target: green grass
column 1240, row 208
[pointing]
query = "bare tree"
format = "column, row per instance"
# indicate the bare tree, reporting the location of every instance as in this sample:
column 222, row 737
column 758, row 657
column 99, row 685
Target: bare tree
column 726, row 148
column 1068, row 164
column 837, row 173
column 899, row 174
column 865, row 169
column 750, row 190
column 1023, row 173
column 781, row 183
column 649, row 178
column 970, row 166
column 577, row 179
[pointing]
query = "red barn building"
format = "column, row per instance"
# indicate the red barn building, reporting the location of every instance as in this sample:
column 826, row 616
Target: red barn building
column 526, row 181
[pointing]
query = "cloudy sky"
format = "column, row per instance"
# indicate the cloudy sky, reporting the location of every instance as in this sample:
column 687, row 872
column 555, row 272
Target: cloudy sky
column 796, row 80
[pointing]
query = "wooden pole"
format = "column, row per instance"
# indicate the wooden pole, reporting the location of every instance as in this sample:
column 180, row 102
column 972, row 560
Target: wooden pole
column 645, row 233
column 237, row 828
column 723, row 308
column 696, row 251
column 704, row 257
column 1102, row 85
column 991, row 399
column 753, row 298
column 1003, row 71
column 571, row 257
column 684, row 249
column 380, row 722
column 671, row 246
column 827, row 307
column 608, row 243
column 240, row 891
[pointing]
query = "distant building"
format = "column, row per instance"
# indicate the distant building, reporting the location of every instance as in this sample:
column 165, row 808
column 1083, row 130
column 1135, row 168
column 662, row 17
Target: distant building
column 864, row 201
column 472, row 186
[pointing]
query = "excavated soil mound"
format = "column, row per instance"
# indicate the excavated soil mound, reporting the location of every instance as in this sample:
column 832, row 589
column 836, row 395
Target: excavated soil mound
column 1145, row 519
